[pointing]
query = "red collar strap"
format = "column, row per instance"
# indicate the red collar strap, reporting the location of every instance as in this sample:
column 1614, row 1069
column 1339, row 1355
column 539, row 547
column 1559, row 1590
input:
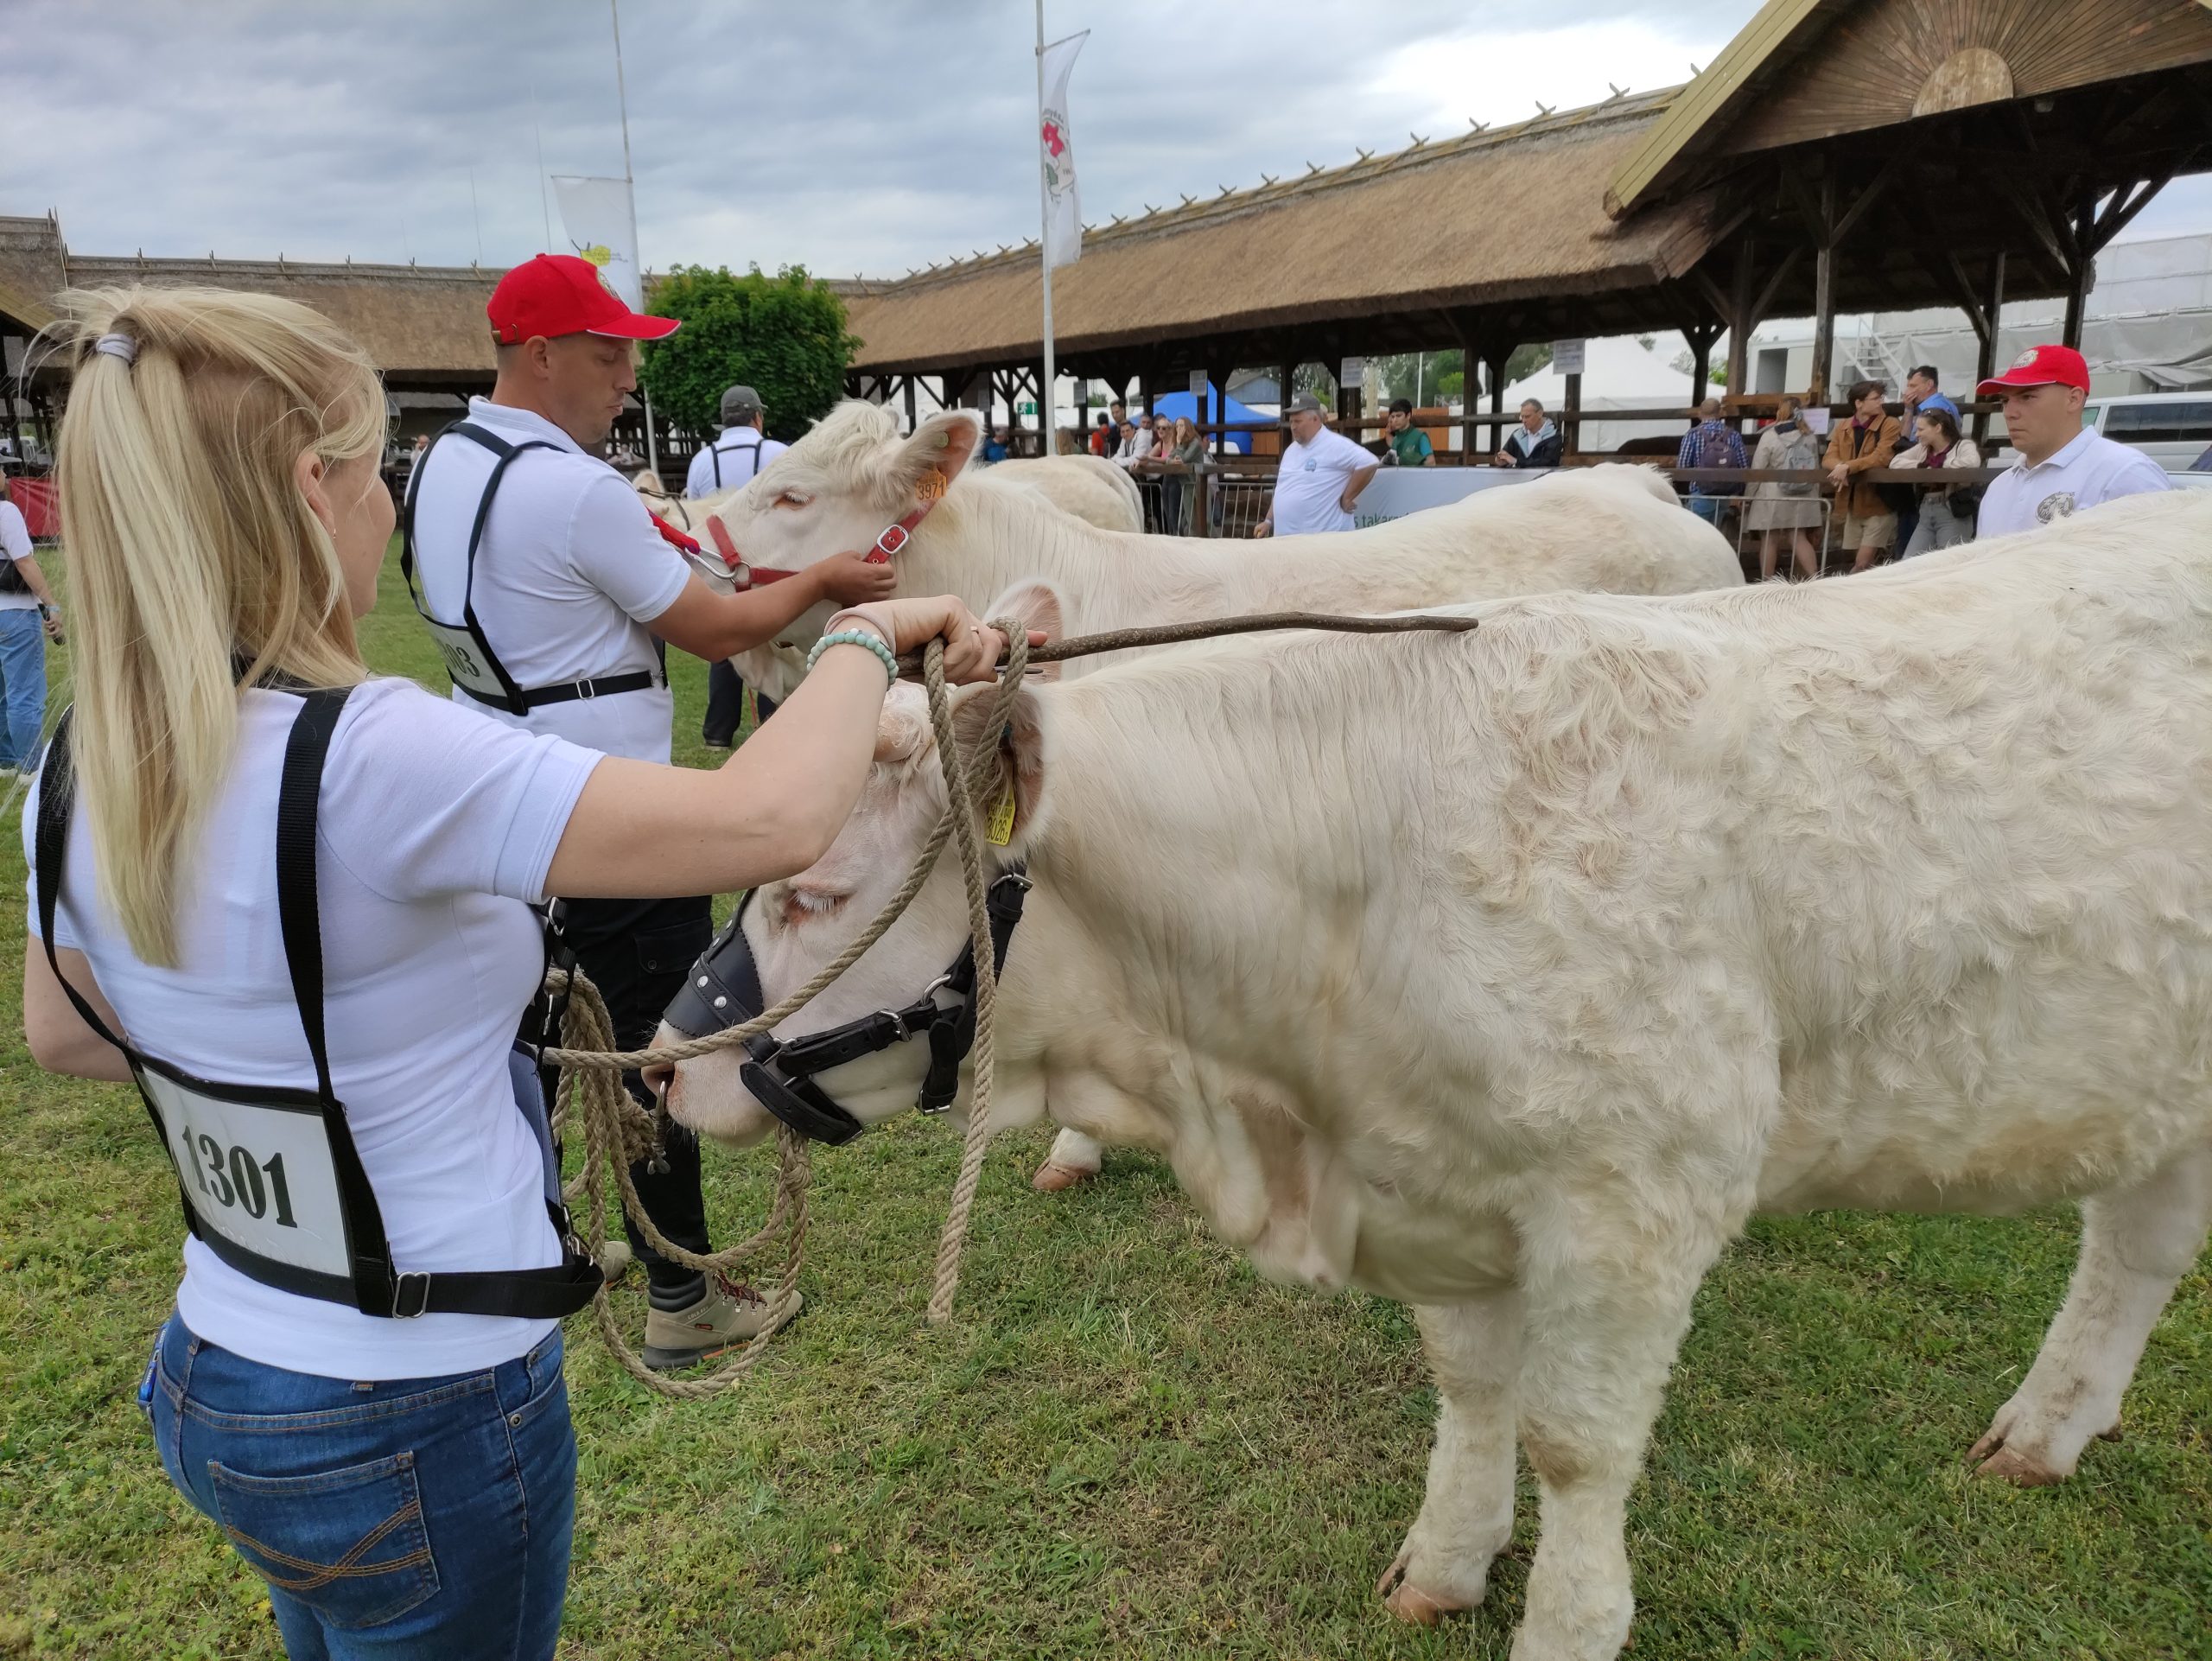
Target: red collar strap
column 894, row 538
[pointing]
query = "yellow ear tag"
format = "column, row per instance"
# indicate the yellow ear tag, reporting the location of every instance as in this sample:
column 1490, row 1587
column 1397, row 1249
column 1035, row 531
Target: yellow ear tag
column 1001, row 826
column 932, row 485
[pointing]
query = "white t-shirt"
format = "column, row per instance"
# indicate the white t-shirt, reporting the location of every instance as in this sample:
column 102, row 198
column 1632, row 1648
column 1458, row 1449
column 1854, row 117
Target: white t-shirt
column 2088, row 470
column 435, row 828
column 1312, row 480
column 568, row 574
column 15, row 543
column 739, row 461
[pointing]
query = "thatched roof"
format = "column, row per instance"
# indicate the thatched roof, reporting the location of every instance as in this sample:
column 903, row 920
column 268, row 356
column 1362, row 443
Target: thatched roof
column 1487, row 217
column 422, row 324
column 1802, row 70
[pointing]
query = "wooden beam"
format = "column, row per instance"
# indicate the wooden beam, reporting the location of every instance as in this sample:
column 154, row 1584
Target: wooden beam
column 1824, row 296
column 1867, row 198
column 2116, row 216
column 1714, row 296
column 1763, row 306
column 1741, row 320
column 1985, row 358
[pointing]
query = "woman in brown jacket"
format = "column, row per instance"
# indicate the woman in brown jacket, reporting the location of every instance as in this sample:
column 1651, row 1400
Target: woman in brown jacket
column 1868, row 439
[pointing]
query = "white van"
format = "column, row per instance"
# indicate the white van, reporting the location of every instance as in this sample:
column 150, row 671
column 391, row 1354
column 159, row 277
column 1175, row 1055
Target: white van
column 2173, row 428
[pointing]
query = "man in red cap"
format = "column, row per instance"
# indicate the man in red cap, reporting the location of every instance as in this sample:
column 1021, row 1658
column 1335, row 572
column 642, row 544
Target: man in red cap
column 2064, row 467
column 550, row 592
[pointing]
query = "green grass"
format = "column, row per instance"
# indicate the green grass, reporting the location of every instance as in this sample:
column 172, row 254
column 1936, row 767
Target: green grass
column 1128, row 1446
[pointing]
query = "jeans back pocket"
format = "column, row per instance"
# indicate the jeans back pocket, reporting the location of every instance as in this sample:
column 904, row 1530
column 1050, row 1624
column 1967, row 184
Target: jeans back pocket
column 348, row 1543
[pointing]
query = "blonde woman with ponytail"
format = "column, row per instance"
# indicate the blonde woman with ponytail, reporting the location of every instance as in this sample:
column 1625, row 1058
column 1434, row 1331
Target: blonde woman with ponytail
column 294, row 902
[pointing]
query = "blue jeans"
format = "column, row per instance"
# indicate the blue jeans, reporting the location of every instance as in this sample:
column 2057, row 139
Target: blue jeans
column 23, row 685
column 1708, row 507
column 423, row 1518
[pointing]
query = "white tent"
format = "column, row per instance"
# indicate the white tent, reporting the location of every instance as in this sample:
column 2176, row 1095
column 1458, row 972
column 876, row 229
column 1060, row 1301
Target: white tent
column 1619, row 373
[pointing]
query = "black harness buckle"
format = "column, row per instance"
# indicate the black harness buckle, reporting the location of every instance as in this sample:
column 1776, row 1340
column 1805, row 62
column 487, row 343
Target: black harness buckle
column 411, row 1295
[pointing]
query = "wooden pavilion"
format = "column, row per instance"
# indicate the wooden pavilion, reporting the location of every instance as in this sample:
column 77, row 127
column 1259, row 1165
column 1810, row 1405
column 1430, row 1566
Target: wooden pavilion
column 1838, row 155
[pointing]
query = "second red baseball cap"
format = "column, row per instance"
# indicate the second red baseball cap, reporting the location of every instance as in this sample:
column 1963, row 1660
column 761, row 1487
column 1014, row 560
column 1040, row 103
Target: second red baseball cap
column 554, row 295
column 2042, row 366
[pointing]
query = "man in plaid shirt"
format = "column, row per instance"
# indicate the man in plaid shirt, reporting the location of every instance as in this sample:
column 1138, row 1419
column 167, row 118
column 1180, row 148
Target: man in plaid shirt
column 1712, row 444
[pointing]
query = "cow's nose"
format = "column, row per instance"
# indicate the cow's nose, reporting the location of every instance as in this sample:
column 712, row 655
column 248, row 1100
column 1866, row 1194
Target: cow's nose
column 661, row 1080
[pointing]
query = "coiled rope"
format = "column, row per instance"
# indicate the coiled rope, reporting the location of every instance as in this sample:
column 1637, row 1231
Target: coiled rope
column 617, row 1132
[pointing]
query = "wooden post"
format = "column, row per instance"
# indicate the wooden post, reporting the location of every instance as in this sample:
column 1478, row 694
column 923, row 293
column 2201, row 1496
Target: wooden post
column 1740, row 323
column 1494, row 372
column 1985, row 359
column 1700, row 363
column 2077, row 293
column 1286, row 373
column 1824, row 294
column 1571, row 419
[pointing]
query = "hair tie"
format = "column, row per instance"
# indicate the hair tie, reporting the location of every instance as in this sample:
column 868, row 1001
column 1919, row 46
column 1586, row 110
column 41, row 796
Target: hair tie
column 119, row 346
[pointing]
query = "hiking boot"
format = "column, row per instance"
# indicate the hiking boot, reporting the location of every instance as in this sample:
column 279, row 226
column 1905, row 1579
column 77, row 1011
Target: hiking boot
column 614, row 1261
column 728, row 1313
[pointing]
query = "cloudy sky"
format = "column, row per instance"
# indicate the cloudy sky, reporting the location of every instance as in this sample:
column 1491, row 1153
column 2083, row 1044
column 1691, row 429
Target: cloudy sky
column 848, row 135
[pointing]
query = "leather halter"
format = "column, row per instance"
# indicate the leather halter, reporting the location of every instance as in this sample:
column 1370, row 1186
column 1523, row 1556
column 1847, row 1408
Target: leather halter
column 784, row 1074
column 892, row 538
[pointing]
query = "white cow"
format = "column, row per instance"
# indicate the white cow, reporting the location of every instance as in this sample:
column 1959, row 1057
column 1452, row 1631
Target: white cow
column 1615, row 529
column 1094, row 491
column 1507, row 973
column 1089, row 486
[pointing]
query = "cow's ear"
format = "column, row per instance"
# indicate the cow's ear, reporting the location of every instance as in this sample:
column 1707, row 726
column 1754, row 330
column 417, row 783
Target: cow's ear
column 924, row 465
column 902, row 731
column 1015, row 764
column 1035, row 604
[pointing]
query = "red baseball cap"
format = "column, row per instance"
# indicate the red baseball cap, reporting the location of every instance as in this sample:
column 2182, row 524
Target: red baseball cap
column 554, row 295
column 2041, row 365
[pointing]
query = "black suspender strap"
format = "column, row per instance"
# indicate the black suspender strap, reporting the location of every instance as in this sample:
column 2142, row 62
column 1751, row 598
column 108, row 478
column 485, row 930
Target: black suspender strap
column 512, row 698
column 299, row 800
column 716, row 450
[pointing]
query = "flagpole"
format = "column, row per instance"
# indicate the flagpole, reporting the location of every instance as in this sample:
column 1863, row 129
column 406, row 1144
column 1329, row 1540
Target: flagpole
column 1048, row 432
column 622, row 101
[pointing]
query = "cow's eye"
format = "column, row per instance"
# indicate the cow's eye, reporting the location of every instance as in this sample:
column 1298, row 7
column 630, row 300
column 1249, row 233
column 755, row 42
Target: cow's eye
column 793, row 499
column 810, row 904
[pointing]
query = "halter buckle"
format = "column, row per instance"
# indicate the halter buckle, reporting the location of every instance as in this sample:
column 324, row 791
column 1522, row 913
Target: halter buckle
column 894, row 538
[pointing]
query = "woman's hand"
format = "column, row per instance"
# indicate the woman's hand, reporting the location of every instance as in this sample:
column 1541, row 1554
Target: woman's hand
column 971, row 648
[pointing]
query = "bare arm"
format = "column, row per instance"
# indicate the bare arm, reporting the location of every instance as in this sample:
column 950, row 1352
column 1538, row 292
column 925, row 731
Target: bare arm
column 639, row 830
column 35, row 580
column 59, row 1039
column 1360, row 480
column 717, row 625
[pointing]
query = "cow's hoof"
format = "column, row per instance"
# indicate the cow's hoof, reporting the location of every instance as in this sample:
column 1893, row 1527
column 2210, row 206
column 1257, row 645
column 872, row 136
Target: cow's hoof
column 1993, row 1456
column 1409, row 1602
column 1051, row 1178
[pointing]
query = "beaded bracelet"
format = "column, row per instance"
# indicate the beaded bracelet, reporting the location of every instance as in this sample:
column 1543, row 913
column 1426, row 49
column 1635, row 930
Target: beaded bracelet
column 866, row 636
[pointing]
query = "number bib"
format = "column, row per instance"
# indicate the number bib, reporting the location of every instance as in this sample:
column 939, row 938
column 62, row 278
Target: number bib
column 464, row 661
column 257, row 1174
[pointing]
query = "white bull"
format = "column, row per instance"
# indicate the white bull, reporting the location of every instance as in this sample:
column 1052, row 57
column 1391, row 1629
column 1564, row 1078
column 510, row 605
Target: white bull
column 1096, row 492
column 1507, row 973
column 1615, row 529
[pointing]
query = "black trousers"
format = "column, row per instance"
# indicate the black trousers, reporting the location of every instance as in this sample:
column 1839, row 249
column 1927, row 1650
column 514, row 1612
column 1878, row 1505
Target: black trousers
column 637, row 952
column 725, row 704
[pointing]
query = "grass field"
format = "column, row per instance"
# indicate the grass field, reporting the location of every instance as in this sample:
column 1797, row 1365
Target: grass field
column 1128, row 1445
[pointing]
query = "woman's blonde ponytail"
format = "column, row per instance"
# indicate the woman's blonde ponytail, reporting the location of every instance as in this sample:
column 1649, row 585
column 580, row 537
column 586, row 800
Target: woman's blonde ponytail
column 194, row 563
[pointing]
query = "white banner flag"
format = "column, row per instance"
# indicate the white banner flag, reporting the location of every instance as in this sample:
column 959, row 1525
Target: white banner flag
column 1056, row 150
column 596, row 215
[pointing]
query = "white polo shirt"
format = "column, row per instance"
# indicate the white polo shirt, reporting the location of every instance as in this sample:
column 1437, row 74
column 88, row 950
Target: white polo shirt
column 739, row 451
column 436, row 832
column 1312, row 480
column 2088, row 470
column 568, row 574
column 15, row 543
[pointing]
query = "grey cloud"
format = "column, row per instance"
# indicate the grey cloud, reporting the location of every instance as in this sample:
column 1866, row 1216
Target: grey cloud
column 864, row 135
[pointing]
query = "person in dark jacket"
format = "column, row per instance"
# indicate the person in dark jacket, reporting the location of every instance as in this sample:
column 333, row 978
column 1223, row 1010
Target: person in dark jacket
column 1535, row 443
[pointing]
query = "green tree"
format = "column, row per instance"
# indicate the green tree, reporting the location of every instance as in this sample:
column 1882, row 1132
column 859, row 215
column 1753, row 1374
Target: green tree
column 782, row 335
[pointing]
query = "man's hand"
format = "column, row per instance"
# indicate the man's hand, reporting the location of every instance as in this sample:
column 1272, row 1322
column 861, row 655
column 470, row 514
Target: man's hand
column 849, row 580
column 1839, row 474
column 52, row 623
column 1264, row 528
column 1503, row 459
